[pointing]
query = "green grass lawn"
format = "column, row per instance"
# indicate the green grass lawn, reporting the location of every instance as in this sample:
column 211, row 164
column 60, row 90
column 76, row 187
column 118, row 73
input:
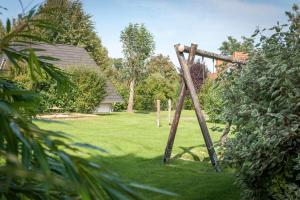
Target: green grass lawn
column 135, row 150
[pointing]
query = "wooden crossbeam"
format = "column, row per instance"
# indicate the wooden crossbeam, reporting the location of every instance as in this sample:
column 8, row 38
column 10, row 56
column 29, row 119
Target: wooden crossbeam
column 207, row 54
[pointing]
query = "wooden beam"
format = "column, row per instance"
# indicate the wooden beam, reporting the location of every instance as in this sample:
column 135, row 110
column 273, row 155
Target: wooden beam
column 199, row 114
column 169, row 111
column 179, row 106
column 207, row 54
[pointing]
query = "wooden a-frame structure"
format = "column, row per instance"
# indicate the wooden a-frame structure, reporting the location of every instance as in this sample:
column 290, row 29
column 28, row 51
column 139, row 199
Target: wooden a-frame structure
column 187, row 84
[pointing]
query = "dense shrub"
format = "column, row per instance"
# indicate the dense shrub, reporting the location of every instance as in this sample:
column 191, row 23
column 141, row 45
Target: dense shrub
column 262, row 98
column 199, row 74
column 188, row 104
column 210, row 99
column 123, row 91
column 87, row 90
column 153, row 88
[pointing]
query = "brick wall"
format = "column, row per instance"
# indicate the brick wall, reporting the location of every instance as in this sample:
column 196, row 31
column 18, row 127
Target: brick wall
column 236, row 55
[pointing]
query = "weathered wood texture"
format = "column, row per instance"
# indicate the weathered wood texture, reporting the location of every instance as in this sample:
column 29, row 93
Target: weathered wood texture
column 187, row 83
column 158, row 113
column 199, row 114
column 212, row 55
column 169, row 111
column 179, row 107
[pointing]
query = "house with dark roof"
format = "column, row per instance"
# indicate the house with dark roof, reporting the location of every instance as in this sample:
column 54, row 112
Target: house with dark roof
column 73, row 56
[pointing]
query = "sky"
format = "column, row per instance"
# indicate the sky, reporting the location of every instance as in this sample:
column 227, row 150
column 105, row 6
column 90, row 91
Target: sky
column 204, row 22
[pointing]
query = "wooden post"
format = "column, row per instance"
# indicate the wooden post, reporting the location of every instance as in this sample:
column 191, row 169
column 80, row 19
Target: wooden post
column 199, row 114
column 179, row 105
column 169, row 110
column 158, row 113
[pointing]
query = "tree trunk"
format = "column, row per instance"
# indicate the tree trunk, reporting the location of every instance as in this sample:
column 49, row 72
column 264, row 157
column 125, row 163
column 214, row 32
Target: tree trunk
column 225, row 133
column 131, row 93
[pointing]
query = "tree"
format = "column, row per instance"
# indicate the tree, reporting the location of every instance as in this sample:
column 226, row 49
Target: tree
column 154, row 87
column 74, row 27
column 138, row 45
column 233, row 45
column 117, row 63
column 2, row 30
column 163, row 65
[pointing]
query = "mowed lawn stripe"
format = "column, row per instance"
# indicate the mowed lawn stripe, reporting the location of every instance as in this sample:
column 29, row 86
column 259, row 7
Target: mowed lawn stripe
column 136, row 146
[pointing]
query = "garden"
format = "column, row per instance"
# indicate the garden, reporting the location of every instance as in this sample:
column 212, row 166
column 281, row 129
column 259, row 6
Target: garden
column 76, row 123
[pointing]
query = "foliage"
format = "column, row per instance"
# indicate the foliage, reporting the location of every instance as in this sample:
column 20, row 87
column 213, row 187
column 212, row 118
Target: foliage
column 263, row 101
column 138, row 45
column 188, row 104
column 210, row 100
column 160, row 83
column 39, row 164
column 74, row 27
column 163, row 65
column 155, row 87
column 233, row 45
column 122, row 90
column 84, row 94
column 2, row 30
column 159, row 68
column 117, row 63
column 199, row 74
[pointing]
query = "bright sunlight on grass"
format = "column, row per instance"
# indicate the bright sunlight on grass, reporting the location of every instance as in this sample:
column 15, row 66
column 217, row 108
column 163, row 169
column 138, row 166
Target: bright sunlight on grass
column 135, row 149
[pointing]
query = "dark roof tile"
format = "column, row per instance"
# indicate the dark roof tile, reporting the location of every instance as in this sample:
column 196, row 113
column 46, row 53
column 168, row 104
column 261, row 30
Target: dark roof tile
column 112, row 95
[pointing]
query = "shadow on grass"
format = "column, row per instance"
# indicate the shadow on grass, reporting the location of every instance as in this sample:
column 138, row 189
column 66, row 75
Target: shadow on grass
column 188, row 150
column 142, row 112
column 217, row 128
column 50, row 121
column 105, row 114
column 189, row 179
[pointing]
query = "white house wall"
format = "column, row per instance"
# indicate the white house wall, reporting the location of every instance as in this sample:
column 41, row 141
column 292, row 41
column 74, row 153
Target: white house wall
column 104, row 108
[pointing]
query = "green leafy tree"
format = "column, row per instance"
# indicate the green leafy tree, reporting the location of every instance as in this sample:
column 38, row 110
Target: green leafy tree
column 154, row 87
column 161, row 83
column 210, row 100
column 232, row 45
column 262, row 99
column 74, row 27
column 2, row 30
column 117, row 63
column 138, row 45
column 163, row 65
